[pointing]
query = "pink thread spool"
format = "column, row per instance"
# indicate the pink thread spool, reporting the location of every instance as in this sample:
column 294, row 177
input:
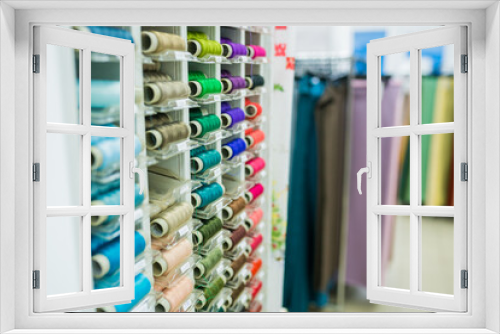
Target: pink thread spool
column 256, row 241
column 254, row 192
column 256, row 288
column 255, row 51
column 254, row 218
column 254, row 166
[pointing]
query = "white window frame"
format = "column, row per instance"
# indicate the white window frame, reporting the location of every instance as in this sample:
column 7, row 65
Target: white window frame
column 86, row 43
column 483, row 315
column 414, row 43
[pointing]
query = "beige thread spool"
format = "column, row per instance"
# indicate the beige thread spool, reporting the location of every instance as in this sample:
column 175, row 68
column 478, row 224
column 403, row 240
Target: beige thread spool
column 169, row 259
column 160, row 137
column 156, row 120
column 157, row 42
column 173, row 297
column 159, row 93
column 154, row 76
column 171, row 219
column 154, row 66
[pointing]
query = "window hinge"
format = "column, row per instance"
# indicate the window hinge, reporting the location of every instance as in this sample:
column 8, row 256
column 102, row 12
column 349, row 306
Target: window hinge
column 464, row 172
column 36, row 63
column 36, row 172
column 36, row 279
column 465, row 64
column 465, row 279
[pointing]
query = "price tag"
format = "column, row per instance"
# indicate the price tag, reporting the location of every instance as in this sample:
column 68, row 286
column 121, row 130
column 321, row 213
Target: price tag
column 182, row 146
column 185, row 267
column 183, row 231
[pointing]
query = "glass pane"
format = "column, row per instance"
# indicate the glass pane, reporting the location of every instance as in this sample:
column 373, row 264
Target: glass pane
column 106, row 252
column 64, row 260
column 437, row 84
column 437, row 254
column 105, row 160
column 395, row 108
column 437, row 169
column 395, row 252
column 105, row 89
column 63, row 87
column 63, row 169
column 395, row 170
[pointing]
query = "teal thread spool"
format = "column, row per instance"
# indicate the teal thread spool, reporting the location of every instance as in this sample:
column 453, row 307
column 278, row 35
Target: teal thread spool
column 203, row 196
column 211, row 291
column 209, row 228
column 204, row 161
column 202, row 123
column 205, row 266
column 196, row 151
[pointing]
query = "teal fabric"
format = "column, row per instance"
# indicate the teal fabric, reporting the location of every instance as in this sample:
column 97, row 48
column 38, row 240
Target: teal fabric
column 302, row 198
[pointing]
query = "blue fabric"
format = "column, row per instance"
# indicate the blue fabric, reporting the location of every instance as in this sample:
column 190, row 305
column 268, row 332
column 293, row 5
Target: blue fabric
column 302, row 198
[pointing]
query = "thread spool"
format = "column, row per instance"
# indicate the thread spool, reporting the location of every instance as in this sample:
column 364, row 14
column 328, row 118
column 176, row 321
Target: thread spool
column 255, row 51
column 105, row 153
column 204, row 161
column 203, row 125
column 255, row 266
column 155, row 76
column 107, row 259
column 233, row 148
column 205, row 195
column 157, row 120
column 252, row 109
column 232, row 117
column 255, row 242
column 113, row 198
column 237, row 264
column 173, row 297
column 157, row 42
column 233, row 209
column 108, row 31
column 254, row 166
column 201, row 87
column 210, row 291
column 253, row 193
column 254, row 81
column 237, row 292
column 142, row 286
column 171, row 219
column 205, row 232
column 199, row 45
column 154, row 66
column 234, row 239
column 161, row 92
column 254, row 218
column 231, row 50
column 205, row 266
column 231, row 83
column 254, row 138
column 256, row 288
column 225, row 106
column 104, row 93
column 169, row 259
column 160, row 137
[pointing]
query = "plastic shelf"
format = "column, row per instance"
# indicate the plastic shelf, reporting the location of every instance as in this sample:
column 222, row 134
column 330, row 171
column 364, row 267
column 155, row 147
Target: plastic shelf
column 256, row 91
column 169, row 56
column 172, row 105
column 211, row 59
column 209, row 175
column 212, row 137
column 173, row 149
column 213, row 208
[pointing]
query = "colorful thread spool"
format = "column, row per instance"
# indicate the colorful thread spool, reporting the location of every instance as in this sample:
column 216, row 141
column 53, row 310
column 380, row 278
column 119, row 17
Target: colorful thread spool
column 155, row 76
column 254, row 166
column 254, row 218
column 253, row 193
column 105, row 153
column 237, row 264
column 198, row 150
column 160, row 137
column 210, row 292
column 231, row 50
column 205, row 266
column 254, row 81
column 173, row 297
column 171, row 219
column 256, row 288
column 107, row 259
column 204, row 86
column 200, row 126
column 205, row 195
column 231, row 83
column 255, row 266
column 234, row 208
column 252, row 109
column 142, row 286
column 256, row 241
column 225, row 106
column 113, row 198
column 237, row 292
column 199, row 45
column 205, row 160
column 161, row 92
column 255, row 137
column 157, row 42
column 234, row 239
column 255, row 51
column 206, row 231
column 233, row 148
column 169, row 259
column 232, row 117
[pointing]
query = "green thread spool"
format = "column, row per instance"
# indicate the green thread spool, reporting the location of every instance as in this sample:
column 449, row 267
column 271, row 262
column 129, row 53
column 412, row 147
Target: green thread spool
column 203, row 125
column 171, row 219
column 199, row 45
column 196, row 75
column 204, row 161
column 211, row 291
column 205, row 266
column 209, row 228
column 204, row 86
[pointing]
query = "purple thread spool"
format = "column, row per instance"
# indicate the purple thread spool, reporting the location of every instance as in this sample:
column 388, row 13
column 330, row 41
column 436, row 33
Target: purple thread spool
column 233, row 148
column 230, row 83
column 232, row 117
column 231, row 50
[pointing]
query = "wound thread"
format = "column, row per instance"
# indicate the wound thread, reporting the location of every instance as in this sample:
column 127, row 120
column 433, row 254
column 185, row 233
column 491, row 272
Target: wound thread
column 256, row 241
column 254, row 218
column 237, row 264
column 205, row 266
column 255, row 266
column 237, row 292
column 161, row 92
column 253, row 193
column 234, row 208
column 252, row 109
column 255, row 51
column 231, row 50
column 157, row 42
column 156, row 120
column 199, row 45
column 169, row 259
column 211, row 291
column 205, row 160
column 202, row 123
column 232, row 117
column 235, row 238
column 173, row 297
column 233, row 148
column 206, row 231
column 256, row 288
column 160, row 137
column 155, row 76
column 254, row 81
column 254, row 138
column 254, row 166
column 231, row 83
column 168, row 221
column 205, row 195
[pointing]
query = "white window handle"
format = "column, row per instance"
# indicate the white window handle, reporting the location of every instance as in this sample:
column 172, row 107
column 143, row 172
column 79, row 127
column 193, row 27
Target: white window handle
column 142, row 176
column 368, row 171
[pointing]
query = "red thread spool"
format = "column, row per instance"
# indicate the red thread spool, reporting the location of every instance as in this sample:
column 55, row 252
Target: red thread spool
column 255, row 138
column 256, row 241
column 252, row 109
column 256, row 265
column 256, row 288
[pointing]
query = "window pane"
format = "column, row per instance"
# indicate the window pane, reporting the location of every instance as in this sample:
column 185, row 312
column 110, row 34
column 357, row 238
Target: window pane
column 64, row 255
column 437, row 254
column 105, row 89
column 395, row 252
column 62, row 85
column 105, row 160
column 395, row 170
column 437, row 84
column 395, row 107
column 437, row 169
column 63, row 169
column 106, row 253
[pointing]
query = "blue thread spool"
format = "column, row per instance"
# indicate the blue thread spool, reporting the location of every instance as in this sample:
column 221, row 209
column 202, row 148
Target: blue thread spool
column 112, row 32
column 233, row 148
column 105, row 154
column 96, row 243
column 205, row 195
column 225, row 106
column 104, row 93
column 141, row 289
column 113, row 198
column 107, row 260
column 232, row 117
column 204, row 161
column 97, row 188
